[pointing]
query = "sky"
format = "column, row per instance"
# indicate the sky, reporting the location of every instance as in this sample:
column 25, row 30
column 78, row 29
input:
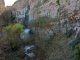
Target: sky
column 9, row 2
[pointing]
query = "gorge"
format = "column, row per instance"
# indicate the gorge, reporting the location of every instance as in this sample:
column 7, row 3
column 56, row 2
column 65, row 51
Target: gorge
column 40, row 30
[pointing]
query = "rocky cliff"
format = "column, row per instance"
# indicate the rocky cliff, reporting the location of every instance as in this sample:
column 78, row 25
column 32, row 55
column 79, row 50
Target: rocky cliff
column 2, row 6
column 47, row 8
column 69, row 11
column 43, row 8
column 70, row 14
column 20, row 8
column 50, row 7
column 2, row 3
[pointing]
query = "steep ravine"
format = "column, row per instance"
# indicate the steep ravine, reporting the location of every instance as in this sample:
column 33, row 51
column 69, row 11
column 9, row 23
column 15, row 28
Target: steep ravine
column 41, row 38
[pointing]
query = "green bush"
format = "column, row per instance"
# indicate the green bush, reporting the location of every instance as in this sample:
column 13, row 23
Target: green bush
column 77, row 53
column 11, row 36
column 16, row 28
column 43, row 22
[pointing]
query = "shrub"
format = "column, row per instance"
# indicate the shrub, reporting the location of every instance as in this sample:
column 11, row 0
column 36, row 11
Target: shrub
column 77, row 53
column 11, row 36
column 43, row 22
column 16, row 28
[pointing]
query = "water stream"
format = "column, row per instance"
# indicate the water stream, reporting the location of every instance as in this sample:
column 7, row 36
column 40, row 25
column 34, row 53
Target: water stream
column 28, row 48
column 28, row 51
column 25, row 33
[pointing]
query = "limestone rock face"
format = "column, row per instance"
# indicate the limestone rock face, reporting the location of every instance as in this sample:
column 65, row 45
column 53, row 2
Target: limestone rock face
column 43, row 8
column 69, row 11
column 20, row 8
column 70, row 14
column 2, row 6
column 50, row 7
column 2, row 3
